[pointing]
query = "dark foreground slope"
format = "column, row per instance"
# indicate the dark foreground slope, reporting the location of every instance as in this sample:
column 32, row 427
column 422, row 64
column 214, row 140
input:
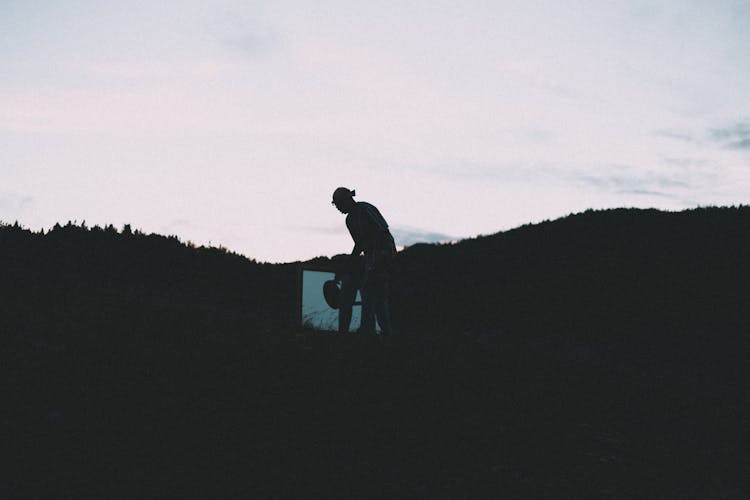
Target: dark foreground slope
column 599, row 356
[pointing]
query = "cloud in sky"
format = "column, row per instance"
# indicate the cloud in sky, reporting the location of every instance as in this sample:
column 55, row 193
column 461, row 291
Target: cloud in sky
column 675, row 134
column 243, row 29
column 613, row 178
column 16, row 207
column 732, row 137
column 686, row 162
column 252, row 43
column 15, row 202
column 407, row 236
column 736, row 136
column 633, row 182
column 403, row 235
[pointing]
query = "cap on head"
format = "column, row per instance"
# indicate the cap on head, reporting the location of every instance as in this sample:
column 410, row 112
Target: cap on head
column 343, row 194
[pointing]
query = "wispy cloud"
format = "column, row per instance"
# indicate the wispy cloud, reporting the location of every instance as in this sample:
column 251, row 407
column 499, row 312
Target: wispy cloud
column 176, row 226
column 633, row 183
column 680, row 135
column 736, row 136
column 685, row 162
column 620, row 179
column 649, row 192
column 252, row 43
column 244, row 32
column 337, row 229
column 198, row 68
column 13, row 202
column 677, row 183
column 406, row 236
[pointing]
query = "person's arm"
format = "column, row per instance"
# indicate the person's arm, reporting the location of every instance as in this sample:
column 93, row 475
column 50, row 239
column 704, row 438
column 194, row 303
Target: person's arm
column 358, row 248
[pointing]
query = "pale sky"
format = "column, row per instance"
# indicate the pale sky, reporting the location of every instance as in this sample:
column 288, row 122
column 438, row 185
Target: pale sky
column 232, row 122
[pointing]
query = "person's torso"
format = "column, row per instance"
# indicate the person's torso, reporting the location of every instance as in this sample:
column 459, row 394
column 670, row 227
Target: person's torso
column 369, row 228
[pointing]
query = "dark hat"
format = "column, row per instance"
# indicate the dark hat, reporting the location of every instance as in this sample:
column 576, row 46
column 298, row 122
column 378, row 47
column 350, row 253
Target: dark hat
column 343, row 193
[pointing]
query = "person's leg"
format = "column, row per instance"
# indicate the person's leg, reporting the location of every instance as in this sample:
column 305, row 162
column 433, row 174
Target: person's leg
column 382, row 311
column 345, row 319
column 383, row 315
column 347, row 297
column 367, row 324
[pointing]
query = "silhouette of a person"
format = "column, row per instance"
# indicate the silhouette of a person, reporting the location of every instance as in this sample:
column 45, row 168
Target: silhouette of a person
column 371, row 236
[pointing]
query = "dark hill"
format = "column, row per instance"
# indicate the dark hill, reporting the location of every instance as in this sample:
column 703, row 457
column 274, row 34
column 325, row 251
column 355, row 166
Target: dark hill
column 603, row 355
column 75, row 282
column 622, row 271
column 597, row 273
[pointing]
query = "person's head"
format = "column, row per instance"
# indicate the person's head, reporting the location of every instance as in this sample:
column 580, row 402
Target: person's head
column 343, row 198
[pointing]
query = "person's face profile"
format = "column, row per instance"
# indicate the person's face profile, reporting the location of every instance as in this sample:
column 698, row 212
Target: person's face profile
column 342, row 205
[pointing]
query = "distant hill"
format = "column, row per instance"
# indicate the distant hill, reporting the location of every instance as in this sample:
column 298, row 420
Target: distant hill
column 622, row 271
column 625, row 271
